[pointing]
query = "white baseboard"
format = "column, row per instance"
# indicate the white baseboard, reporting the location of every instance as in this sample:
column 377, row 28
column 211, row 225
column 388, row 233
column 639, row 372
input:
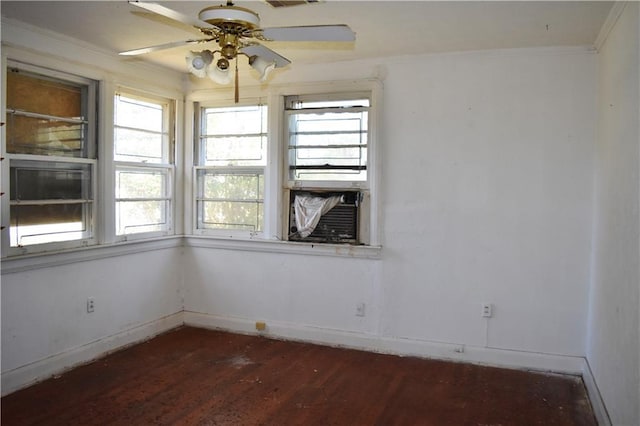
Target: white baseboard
column 392, row 345
column 31, row 373
column 597, row 403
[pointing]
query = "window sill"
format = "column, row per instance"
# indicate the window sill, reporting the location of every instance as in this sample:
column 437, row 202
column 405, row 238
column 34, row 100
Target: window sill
column 287, row 247
column 10, row 265
column 64, row 257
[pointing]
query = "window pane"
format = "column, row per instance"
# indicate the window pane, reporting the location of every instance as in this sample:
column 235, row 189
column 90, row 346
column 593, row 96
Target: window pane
column 37, row 224
column 138, row 114
column 235, row 120
column 45, row 116
column 331, row 145
column 50, row 201
column 139, row 146
column 32, row 180
column 232, row 215
column 327, row 140
column 38, row 94
column 39, row 136
column 331, row 156
column 141, row 133
column 141, row 216
column 355, row 122
column 236, row 151
column 235, row 136
column 140, row 184
column 233, row 186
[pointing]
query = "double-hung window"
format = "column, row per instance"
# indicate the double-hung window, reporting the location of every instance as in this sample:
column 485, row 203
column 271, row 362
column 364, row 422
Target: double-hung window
column 50, row 146
column 327, row 192
column 231, row 156
column 143, row 154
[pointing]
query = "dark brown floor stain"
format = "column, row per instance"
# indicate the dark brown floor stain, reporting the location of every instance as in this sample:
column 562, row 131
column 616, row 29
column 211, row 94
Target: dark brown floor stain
column 193, row 376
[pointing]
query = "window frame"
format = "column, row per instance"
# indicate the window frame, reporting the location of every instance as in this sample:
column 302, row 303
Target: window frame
column 91, row 139
column 274, row 237
column 322, row 97
column 199, row 166
column 319, row 186
column 168, row 167
column 168, row 172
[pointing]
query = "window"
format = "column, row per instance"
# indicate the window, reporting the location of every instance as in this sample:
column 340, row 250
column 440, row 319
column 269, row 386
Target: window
column 231, row 159
column 327, row 140
column 50, row 145
column 300, row 168
column 143, row 165
column 327, row 195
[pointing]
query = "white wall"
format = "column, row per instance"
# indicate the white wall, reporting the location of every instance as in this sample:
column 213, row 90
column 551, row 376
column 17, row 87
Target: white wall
column 45, row 324
column 136, row 287
column 614, row 347
column 487, row 180
column 487, row 163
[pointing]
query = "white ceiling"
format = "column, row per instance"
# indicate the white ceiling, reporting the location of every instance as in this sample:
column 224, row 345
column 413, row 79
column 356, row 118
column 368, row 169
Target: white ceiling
column 383, row 28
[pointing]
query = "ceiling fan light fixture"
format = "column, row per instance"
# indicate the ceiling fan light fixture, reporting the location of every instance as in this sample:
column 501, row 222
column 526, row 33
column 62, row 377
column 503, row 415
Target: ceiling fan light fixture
column 263, row 66
column 223, row 64
column 198, row 62
column 237, row 31
column 220, row 72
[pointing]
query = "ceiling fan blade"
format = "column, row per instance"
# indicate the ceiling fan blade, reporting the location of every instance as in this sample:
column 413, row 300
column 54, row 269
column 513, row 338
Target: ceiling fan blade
column 171, row 14
column 266, row 54
column 155, row 48
column 310, row 33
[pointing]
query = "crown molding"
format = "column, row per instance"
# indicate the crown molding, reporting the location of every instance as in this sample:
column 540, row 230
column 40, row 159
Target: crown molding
column 30, row 44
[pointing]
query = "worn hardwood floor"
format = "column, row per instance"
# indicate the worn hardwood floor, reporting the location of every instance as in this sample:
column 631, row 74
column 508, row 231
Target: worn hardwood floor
column 193, row 376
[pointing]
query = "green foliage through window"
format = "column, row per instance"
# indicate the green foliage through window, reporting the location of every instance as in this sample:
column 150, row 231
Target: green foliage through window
column 232, row 156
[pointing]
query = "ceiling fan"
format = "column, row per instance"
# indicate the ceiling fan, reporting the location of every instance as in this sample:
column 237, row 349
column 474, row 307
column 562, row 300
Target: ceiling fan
column 236, row 31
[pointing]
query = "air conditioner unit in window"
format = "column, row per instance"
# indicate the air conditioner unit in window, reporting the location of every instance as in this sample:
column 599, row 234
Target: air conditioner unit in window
column 338, row 225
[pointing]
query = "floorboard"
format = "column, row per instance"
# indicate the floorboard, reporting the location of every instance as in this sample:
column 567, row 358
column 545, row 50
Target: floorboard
column 193, row 376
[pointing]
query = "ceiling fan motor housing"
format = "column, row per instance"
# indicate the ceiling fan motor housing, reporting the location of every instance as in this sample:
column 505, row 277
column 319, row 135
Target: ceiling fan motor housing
column 228, row 16
column 228, row 45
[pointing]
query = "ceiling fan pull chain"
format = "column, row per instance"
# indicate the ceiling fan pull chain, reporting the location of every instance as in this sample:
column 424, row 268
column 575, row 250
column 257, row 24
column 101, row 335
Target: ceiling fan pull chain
column 237, row 93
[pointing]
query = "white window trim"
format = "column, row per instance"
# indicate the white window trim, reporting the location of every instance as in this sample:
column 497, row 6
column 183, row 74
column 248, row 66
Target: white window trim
column 93, row 132
column 107, row 226
column 170, row 173
column 58, row 257
column 285, row 247
column 183, row 199
column 230, row 233
column 293, row 184
column 271, row 239
column 173, row 156
column 195, row 106
column 374, row 87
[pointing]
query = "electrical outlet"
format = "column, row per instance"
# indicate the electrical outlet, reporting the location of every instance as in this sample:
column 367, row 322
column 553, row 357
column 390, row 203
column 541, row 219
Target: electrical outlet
column 360, row 308
column 487, row 310
column 91, row 305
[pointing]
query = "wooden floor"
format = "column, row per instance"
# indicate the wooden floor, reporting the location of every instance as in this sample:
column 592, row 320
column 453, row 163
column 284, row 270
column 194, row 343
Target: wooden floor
column 201, row 377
